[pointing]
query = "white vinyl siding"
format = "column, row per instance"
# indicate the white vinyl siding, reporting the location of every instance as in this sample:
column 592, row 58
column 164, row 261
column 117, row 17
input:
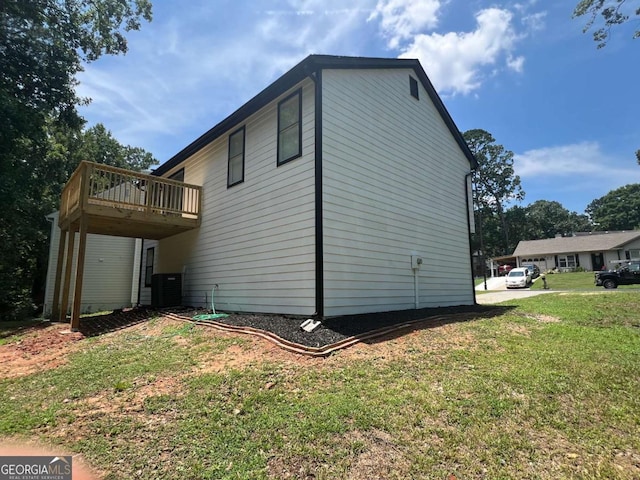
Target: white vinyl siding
column 111, row 271
column 256, row 240
column 394, row 185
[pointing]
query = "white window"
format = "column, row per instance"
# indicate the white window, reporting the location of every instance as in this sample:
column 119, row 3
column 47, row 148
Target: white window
column 235, row 169
column 568, row 261
column 289, row 131
column 634, row 253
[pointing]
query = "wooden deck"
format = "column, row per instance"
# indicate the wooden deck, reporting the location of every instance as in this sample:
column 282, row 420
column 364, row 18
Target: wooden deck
column 113, row 201
column 124, row 203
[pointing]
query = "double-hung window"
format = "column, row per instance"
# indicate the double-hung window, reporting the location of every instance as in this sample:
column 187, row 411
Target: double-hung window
column 289, row 128
column 235, row 171
column 568, row 261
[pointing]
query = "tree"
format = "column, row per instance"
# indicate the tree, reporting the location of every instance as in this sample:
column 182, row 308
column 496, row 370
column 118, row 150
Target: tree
column 98, row 145
column 43, row 45
column 613, row 12
column 495, row 182
column 617, row 210
column 546, row 219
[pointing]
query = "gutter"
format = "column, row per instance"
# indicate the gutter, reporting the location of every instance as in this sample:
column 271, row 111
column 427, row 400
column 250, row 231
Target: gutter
column 467, row 178
column 319, row 224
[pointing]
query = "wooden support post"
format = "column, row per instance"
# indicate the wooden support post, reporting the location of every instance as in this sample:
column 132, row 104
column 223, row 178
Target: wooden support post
column 55, row 310
column 64, row 305
column 77, row 296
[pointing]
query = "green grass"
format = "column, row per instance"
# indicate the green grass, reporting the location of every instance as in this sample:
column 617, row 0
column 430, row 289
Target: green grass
column 574, row 281
column 11, row 331
column 548, row 389
column 478, row 280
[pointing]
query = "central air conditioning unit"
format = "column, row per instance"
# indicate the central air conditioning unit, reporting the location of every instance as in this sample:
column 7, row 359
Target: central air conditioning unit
column 166, row 290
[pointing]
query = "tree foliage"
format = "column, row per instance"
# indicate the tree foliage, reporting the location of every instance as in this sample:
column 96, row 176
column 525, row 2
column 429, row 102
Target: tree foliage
column 495, row 182
column 546, row 219
column 609, row 12
column 538, row 220
column 617, row 210
column 43, row 45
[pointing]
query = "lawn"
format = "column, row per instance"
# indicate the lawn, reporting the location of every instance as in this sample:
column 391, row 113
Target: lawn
column 547, row 388
column 574, row 281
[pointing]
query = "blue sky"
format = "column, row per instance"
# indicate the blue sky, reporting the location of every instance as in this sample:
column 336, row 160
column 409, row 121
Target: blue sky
column 523, row 71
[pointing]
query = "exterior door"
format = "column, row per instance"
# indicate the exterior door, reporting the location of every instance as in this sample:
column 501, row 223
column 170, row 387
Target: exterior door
column 597, row 261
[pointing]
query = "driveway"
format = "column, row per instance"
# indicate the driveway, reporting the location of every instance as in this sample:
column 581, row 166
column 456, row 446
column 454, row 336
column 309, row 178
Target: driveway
column 497, row 292
column 493, row 283
column 503, row 296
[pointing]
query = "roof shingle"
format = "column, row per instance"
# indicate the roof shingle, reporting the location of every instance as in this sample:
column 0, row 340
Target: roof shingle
column 580, row 243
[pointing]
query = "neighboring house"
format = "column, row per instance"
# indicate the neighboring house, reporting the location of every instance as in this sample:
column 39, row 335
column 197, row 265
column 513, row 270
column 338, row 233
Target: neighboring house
column 589, row 250
column 318, row 192
column 112, row 271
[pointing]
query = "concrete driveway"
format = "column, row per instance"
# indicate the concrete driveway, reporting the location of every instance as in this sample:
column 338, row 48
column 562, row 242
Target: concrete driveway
column 497, row 292
column 497, row 297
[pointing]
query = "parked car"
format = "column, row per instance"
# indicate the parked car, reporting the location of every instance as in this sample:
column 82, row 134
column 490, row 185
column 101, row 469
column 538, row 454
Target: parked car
column 627, row 274
column 518, row 277
column 504, row 269
column 534, row 270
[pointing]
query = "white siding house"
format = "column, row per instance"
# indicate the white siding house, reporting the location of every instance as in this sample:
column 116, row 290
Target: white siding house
column 394, row 185
column 112, row 271
column 318, row 192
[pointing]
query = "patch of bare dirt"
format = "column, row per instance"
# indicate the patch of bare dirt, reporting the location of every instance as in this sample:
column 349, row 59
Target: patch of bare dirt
column 45, row 347
column 36, row 349
column 375, row 456
column 253, row 351
column 379, row 459
column 432, row 340
column 292, row 468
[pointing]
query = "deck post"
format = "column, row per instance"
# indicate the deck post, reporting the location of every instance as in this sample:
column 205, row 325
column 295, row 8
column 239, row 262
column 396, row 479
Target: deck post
column 55, row 311
column 67, row 274
column 77, row 295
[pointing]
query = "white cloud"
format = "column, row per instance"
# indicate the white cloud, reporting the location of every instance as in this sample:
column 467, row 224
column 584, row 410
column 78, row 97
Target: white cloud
column 454, row 61
column 516, row 64
column 561, row 161
column 574, row 161
column 185, row 73
column 534, row 22
column 575, row 173
column 402, row 19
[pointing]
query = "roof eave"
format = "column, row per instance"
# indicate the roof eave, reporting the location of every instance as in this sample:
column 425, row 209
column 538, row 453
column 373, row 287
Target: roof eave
column 302, row 70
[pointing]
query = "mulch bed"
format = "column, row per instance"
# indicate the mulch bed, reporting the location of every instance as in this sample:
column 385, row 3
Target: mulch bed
column 336, row 329
column 94, row 325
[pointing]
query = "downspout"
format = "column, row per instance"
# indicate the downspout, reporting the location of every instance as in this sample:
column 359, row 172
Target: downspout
column 316, row 77
column 416, row 295
column 467, row 178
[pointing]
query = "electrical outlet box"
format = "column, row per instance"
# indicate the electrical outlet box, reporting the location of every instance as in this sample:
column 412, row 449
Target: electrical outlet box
column 416, row 262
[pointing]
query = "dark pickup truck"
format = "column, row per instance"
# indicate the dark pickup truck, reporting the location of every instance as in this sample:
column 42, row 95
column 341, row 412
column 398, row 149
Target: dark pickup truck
column 627, row 274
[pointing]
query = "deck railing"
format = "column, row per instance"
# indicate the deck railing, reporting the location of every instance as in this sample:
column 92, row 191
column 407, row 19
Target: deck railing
column 106, row 186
